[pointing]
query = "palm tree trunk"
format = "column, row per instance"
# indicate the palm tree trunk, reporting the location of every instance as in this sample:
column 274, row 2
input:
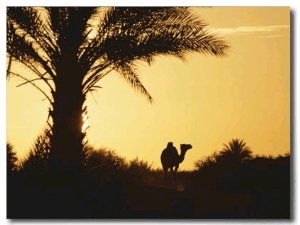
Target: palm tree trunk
column 67, row 136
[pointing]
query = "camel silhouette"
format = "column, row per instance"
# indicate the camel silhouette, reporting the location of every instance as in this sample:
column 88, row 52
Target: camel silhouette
column 170, row 159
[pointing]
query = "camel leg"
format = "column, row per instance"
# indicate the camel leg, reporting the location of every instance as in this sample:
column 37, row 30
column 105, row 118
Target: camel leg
column 165, row 177
column 173, row 181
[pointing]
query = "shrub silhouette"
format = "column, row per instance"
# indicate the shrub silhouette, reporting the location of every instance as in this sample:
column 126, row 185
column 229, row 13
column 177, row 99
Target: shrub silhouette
column 36, row 162
column 219, row 168
column 208, row 172
column 106, row 164
column 112, row 187
column 265, row 179
column 206, row 161
column 12, row 159
column 140, row 171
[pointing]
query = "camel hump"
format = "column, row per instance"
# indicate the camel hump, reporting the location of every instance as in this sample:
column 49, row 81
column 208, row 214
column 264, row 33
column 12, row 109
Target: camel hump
column 169, row 154
column 173, row 151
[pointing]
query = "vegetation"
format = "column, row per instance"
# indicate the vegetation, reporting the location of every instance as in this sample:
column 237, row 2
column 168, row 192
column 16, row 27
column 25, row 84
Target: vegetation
column 113, row 187
column 37, row 160
column 236, row 151
column 11, row 162
column 264, row 179
column 69, row 49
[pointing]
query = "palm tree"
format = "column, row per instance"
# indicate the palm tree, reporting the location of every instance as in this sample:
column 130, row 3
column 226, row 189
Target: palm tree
column 235, row 151
column 69, row 49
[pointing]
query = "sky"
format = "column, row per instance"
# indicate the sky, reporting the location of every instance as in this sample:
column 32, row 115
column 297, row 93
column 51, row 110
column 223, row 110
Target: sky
column 204, row 101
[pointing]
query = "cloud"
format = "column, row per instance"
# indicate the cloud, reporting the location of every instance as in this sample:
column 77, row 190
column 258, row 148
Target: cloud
column 246, row 30
column 272, row 36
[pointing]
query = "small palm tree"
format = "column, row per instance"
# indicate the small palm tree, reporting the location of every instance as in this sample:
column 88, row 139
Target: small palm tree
column 235, row 151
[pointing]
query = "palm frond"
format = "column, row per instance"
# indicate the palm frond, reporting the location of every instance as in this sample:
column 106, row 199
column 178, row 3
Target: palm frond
column 33, row 84
column 158, row 30
column 70, row 24
column 128, row 71
column 237, row 149
column 27, row 23
column 130, row 34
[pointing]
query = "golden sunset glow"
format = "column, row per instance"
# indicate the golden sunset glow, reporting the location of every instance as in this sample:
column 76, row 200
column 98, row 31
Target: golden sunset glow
column 204, row 100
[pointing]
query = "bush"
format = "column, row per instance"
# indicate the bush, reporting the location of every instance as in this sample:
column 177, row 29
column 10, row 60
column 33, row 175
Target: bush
column 12, row 159
column 105, row 164
column 36, row 162
column 139, row 170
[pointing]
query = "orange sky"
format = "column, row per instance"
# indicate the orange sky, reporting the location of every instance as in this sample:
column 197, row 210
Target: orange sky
column 205, row 101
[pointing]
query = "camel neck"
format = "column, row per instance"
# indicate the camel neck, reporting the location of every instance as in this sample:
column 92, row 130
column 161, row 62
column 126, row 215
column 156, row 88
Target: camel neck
column 181, row 156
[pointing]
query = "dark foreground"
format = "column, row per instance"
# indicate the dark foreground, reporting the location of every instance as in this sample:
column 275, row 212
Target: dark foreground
column 116, row 200
column 255, row 189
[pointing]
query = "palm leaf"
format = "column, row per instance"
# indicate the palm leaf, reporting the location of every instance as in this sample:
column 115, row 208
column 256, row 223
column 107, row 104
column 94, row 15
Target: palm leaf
column 128, row 71
column 237, row 149
column 140, row 33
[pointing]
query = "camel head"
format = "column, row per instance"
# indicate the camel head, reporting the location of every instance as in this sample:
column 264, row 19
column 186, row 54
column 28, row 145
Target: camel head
column 185, row 147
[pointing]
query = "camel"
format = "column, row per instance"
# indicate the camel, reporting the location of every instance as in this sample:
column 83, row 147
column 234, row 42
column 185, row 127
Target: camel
column 170, row 158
